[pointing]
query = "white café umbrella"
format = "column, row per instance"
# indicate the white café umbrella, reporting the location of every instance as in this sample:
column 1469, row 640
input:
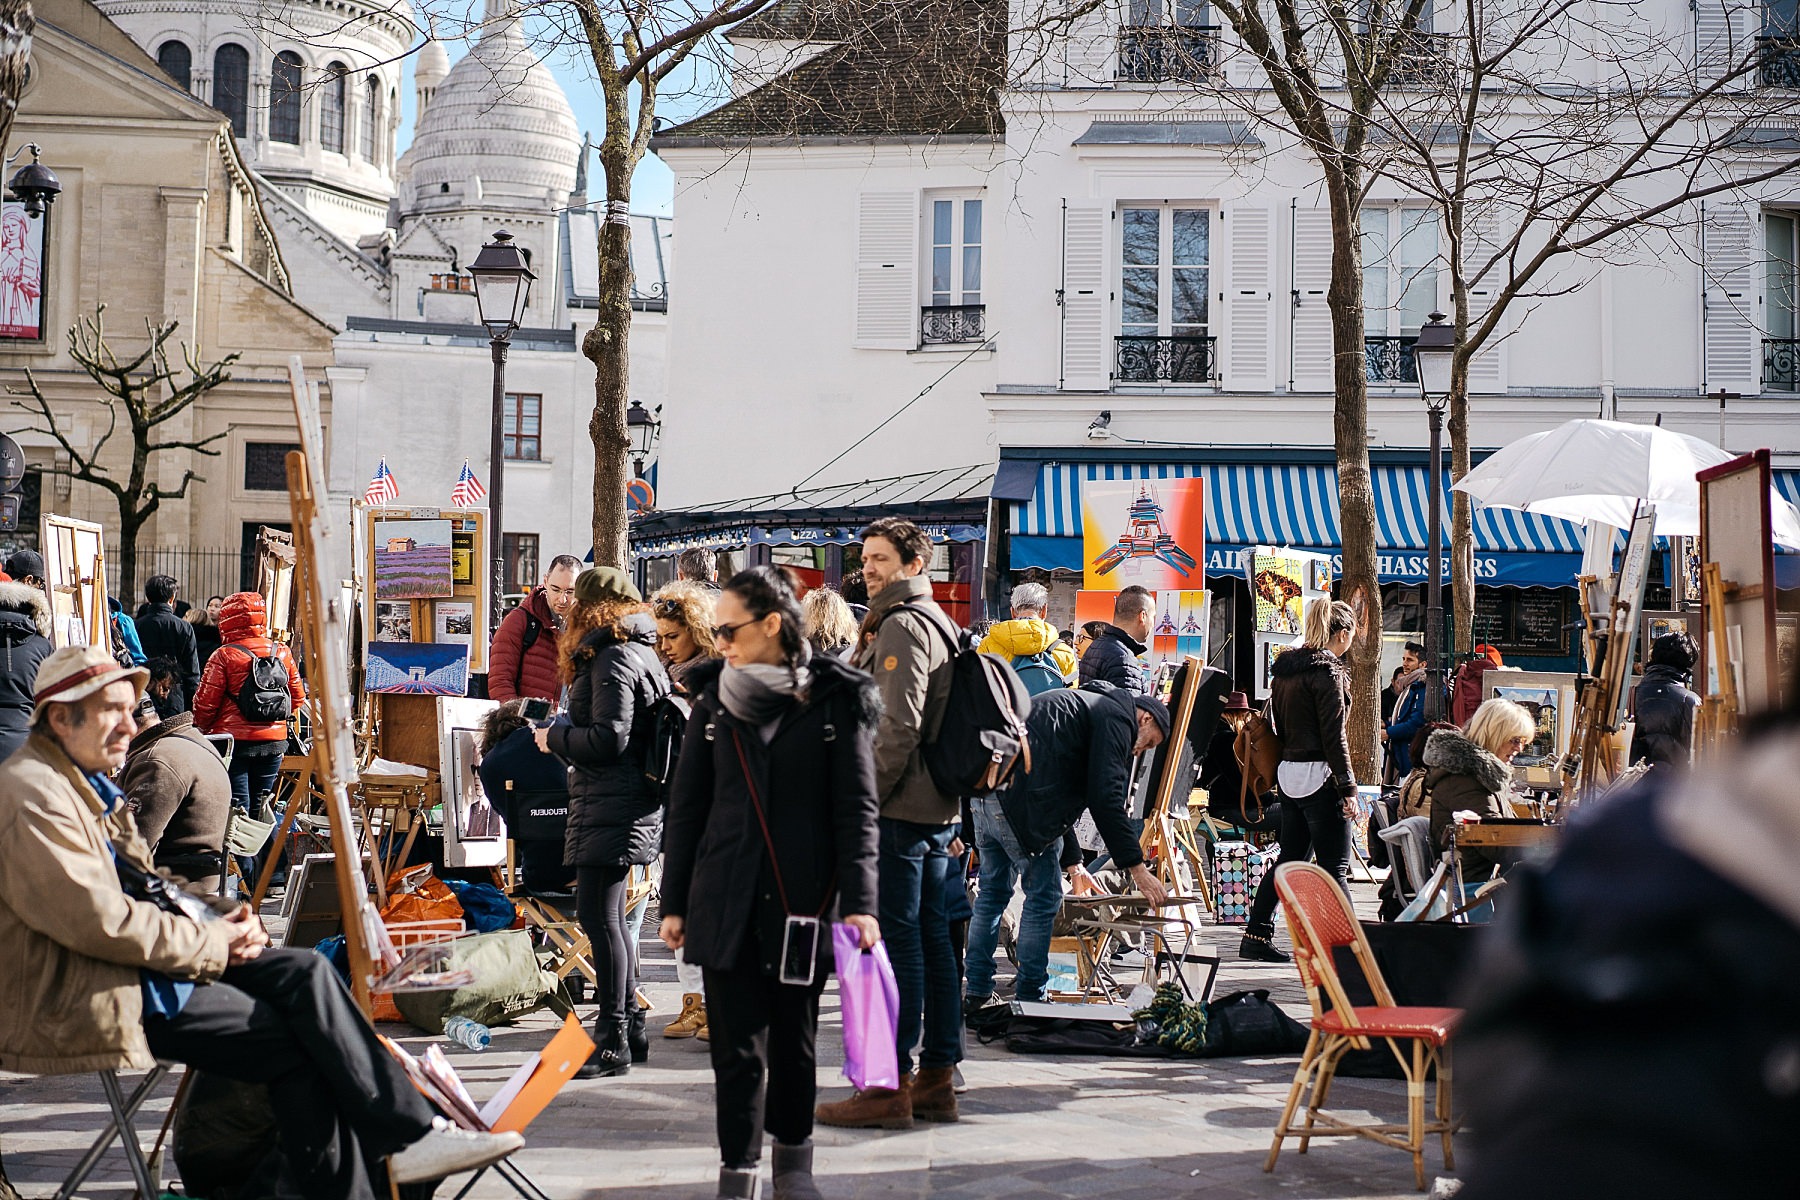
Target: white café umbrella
column 1592, row 470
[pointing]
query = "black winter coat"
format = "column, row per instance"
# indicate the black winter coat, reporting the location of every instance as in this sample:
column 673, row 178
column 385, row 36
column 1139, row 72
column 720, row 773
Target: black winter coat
column 1665, row 717
column 615, row 812
column 1112, row 657
column 816, row 782
column 1081, row 741
column 24, row 645
column 515, row 773
column 162, row 634
column 1309, row 694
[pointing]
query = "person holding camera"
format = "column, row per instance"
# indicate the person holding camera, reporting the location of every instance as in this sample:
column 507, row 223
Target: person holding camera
column 772, row 830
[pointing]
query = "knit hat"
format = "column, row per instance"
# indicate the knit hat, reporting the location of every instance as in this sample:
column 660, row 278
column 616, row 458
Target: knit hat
column 77, row 672
column 1159, row 712
column 602, row 583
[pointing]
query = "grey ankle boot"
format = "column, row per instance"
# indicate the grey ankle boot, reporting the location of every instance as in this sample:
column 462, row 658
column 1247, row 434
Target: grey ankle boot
column 739, row 1183
column 793, row 1172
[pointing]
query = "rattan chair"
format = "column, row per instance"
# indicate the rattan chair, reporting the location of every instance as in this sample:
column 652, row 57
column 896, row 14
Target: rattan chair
column 1320, row 919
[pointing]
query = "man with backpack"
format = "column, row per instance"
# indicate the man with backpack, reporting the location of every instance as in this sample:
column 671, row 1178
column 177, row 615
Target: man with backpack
column 522, row 660
column 912, row 664
column 249, row 690
column 1030, row 643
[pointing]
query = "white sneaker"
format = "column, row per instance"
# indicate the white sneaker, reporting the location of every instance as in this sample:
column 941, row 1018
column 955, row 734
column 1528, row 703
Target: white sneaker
column 447, row 1151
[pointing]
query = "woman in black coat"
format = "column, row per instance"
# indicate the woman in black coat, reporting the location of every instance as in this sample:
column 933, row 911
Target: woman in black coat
column 773, row 815
column 607, row 655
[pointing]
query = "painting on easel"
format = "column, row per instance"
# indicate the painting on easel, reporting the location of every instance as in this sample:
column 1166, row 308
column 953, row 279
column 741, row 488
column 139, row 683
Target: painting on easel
column 413, row 560
column 418, row 668
column 74, row 580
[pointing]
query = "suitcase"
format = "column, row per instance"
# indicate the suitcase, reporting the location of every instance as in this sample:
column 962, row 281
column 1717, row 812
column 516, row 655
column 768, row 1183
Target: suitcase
column 1237, row 869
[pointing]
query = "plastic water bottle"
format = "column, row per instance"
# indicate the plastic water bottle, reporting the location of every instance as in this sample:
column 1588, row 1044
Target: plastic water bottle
column 470, row 1034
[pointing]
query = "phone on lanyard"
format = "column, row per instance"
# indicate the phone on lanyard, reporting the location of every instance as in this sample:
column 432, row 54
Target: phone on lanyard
column 800, row 951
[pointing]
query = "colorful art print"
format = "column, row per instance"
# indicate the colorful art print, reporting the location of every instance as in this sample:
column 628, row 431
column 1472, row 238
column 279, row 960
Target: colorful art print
column 462, row 557
column 1269, row 647
column 453, row 623
column 418, row 668
column 1179, row 628
column 393, row 621
column 1318, row 575
column 1545, row 706
column 1278, row 584
column 413, row 560
column 1149, row 532
column 21, row 274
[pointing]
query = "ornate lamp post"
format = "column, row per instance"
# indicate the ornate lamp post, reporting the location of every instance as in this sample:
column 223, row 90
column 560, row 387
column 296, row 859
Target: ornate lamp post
column 502, row 289
column 1432, row 355
column 641, row 429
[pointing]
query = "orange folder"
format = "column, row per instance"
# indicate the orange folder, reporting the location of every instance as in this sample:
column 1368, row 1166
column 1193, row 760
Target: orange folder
column 530, row 1091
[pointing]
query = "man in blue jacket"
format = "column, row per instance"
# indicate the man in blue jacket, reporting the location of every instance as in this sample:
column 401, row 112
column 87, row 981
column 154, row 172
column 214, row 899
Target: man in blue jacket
column 1083, row 743
column 1409, row 712
column 1113, row 656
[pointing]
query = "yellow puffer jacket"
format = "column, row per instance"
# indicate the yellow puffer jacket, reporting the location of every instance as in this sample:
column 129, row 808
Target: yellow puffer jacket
column 1030, row 635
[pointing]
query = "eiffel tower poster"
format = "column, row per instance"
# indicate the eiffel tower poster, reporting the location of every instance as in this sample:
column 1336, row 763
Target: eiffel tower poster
column 1148, row 532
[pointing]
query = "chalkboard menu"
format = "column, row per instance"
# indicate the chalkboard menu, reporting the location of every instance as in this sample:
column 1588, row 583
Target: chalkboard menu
column 1523, row 620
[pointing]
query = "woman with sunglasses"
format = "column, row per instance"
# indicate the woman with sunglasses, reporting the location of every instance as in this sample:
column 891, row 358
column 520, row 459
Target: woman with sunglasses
column 772, row 834
column 607, row 658
column 684, row 620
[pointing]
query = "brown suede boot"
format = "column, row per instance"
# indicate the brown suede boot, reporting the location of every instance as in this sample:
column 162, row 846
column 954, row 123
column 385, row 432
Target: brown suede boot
column 871, row 1108
column 934, row 1094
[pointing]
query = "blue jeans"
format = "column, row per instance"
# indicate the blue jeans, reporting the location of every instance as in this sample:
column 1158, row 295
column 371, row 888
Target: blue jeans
column 915, row 862
column 252, row 776
column 1004, row 863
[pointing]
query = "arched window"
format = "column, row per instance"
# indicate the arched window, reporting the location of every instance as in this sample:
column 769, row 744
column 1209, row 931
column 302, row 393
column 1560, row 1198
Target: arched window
column 177, row 62
column 337, row 98
column 284, row 99
column 231, row 86
column 372, row 123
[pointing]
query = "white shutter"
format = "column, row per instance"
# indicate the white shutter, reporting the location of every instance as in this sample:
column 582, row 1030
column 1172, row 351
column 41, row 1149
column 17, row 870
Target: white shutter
column 887, row 271
column 1312, row 350
column 1086, row 365
column 1724, row 33
column 1249, row 295
column 1091, row 44
column 1487, row 371
column 1728, row 266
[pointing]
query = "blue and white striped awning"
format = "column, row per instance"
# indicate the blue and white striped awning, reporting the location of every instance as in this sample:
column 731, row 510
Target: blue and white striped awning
column 1297, row 505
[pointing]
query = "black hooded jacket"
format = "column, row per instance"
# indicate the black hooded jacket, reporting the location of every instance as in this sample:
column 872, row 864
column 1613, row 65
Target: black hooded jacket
column 1309, row 693
column 815, row 784
column 24, row 645
column 1112, row 657
column 615, row 811
column 1081, row 742
column 1665, row 717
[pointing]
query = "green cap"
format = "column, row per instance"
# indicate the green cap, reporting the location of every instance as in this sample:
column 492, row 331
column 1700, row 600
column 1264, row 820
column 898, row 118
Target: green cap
column 600, row 583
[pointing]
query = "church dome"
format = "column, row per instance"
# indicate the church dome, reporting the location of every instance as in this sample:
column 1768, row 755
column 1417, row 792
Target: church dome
column 432, row 64
column 498, row 130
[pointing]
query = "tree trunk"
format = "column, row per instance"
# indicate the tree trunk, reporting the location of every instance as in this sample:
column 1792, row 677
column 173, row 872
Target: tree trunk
column 608, row 345
column 130, row 526
column 1356, row 494
column 1462, row 529
column 16, row 25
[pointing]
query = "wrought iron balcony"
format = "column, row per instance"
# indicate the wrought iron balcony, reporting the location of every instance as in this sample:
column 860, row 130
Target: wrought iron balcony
column 1778, row 61
column 1778, row 373
column 1168, row 53
column 945, row 324
column 1421, row 60
column 1391, row 359
column 1164, row 359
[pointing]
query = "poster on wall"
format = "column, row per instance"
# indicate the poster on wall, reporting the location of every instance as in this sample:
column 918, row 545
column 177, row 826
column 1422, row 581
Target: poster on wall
column 1149, row 532
column 21, row 274
column 1278, row 583
column 1180, row 626
column 413, row 560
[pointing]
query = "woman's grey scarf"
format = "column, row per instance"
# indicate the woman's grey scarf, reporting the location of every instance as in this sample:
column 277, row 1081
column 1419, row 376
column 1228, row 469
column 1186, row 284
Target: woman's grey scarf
column 760, row 694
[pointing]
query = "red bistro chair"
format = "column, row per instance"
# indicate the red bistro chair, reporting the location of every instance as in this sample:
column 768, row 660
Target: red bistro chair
column 1320, row 918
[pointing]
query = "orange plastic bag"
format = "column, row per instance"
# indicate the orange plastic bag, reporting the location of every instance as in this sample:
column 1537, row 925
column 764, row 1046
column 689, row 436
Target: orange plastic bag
column 416, row 894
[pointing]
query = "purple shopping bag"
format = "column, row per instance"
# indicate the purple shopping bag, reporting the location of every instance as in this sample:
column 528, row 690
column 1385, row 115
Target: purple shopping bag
column 870, row 1002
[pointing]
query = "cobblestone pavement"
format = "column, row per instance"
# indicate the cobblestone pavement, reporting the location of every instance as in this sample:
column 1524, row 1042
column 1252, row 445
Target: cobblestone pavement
column 1031, row 1126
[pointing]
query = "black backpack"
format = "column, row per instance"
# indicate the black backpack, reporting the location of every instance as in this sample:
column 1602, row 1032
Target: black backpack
column 668, row 724
column 264, row 696
column 982, row 738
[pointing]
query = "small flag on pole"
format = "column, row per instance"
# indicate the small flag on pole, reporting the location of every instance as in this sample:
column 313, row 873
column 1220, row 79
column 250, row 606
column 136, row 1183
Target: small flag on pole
column 468, row 490
column 384, row 488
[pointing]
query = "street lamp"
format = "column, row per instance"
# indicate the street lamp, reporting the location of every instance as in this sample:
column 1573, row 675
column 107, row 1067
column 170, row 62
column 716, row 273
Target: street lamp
column 35, row 185
column 502, row 289
column 1432, row 355
column 640, row 431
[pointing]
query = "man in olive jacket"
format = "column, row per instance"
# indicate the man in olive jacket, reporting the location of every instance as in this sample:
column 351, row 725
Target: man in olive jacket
column 182, row 794
column 910, row 660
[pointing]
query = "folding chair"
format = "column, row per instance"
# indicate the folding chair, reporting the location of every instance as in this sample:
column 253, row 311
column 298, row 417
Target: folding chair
column 1410, row 841
column 562, row 933
column 124, row 1108
column 1320, row 919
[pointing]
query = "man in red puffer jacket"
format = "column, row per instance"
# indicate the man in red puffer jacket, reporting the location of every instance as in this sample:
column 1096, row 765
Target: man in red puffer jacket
column 523, row 660
column 260, row 736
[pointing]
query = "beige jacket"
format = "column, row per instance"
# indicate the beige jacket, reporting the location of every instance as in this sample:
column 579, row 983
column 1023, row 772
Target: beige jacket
column 72, row 942
column 911, row 665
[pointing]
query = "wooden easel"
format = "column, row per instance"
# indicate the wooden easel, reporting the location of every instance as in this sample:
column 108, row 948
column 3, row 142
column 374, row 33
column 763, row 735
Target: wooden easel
column 1169, row 840
column 1718, row 716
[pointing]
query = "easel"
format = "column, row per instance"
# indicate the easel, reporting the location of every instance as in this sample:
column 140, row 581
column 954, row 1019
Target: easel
column 1718, row 715
column 1169, row 841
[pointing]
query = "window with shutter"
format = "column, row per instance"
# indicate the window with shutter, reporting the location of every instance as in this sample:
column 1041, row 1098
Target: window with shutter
column 1400, row 287
column 1731, row 341
column 887, row 260
column 1088, row 45
column 1085, row 361
column 1249, row 232
column 1487, row 371
column 1724, row 42
column 1311, row 368
column 1166, row 325
column 1781, row 301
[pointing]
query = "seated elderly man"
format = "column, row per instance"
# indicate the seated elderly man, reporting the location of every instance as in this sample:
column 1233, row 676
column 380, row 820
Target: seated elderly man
column 100, row 979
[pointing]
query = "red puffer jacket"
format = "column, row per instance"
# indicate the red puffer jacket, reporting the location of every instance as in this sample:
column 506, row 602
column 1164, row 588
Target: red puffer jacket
column 243, row 633
column 516, row 670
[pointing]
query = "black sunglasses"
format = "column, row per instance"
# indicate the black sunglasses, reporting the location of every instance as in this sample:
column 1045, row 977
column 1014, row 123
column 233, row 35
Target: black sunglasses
column 667, row 610
column 724, row 633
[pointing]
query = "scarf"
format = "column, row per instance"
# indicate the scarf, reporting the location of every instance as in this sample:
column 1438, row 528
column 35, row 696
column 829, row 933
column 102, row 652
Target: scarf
column 1407, row 680
column 760, row 694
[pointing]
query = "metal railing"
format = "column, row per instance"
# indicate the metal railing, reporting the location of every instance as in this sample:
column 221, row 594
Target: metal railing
column 1778, row 364
column 946, row 324
column 1421, row 60
column 1778, row 61
column 1167, row 53
column 1183, row 359
column 1390, row 359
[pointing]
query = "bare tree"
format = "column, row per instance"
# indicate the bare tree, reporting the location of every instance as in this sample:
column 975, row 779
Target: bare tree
column 149, row 391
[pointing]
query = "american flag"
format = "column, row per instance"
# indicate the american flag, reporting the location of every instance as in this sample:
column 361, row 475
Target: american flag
column 384, row 488
column 468, row 490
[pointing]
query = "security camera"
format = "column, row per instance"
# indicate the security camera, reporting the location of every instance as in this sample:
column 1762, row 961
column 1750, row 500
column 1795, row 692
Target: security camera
column 1098, row 429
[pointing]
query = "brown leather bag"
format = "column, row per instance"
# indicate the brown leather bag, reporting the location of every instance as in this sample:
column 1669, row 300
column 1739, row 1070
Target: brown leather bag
column 1258, row 749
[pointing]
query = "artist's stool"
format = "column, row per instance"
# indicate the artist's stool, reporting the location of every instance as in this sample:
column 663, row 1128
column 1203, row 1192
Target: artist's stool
column 123, row 1109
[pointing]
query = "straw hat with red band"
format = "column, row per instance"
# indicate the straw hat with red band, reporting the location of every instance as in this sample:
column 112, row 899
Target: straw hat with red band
column 74, row 673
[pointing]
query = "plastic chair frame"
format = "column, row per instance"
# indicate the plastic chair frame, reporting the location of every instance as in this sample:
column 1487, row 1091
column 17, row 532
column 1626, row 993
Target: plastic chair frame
column 1325, row 1049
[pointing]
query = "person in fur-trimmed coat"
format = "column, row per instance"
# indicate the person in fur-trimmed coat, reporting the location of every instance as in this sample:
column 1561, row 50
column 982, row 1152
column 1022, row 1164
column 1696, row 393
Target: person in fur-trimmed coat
column 24, row 644
column 1470, row 771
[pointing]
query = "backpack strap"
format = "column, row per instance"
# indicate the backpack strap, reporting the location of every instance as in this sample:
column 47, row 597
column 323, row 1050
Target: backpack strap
column 528, row 639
